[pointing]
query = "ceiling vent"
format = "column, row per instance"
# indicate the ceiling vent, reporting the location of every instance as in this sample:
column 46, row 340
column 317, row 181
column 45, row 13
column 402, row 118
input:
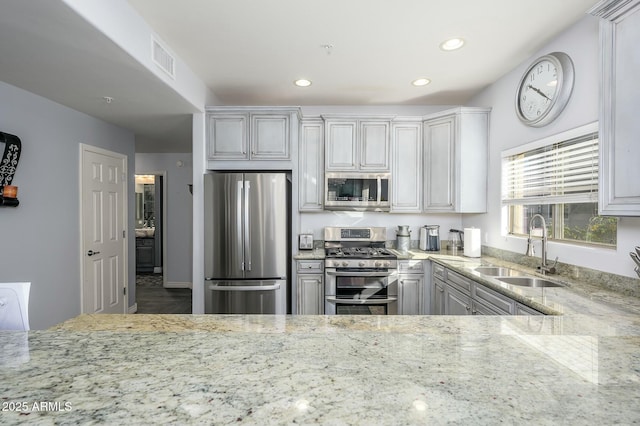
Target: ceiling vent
column 163, row 58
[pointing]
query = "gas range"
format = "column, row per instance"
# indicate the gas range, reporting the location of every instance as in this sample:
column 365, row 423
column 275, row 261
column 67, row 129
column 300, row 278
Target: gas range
column 357, row 248
column 360, row 273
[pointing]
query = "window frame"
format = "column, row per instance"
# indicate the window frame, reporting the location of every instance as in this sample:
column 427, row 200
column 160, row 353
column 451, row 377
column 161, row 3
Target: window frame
column 555, row 202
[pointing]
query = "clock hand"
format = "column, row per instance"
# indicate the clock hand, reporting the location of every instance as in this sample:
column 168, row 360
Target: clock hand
column 540, row 92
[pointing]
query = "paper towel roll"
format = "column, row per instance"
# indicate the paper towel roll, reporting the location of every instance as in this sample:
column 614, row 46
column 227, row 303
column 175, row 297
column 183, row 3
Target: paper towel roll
column 472, row 242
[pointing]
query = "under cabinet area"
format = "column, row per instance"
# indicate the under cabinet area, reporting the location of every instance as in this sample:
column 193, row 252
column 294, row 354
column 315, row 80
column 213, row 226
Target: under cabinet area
column 250, row 134
column 309, row 287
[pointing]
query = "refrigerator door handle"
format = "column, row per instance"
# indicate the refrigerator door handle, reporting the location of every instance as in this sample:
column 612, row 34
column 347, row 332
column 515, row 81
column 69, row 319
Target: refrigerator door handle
column 239, row 250
column 244, row 287
column 247, row 226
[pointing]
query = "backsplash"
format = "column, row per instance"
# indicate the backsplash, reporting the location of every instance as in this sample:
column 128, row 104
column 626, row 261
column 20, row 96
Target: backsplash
column 620, row 284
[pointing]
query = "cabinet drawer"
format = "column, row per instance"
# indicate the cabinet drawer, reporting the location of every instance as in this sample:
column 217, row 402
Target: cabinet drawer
column 144, row 242
column 493, row 299
column 310, row 266
column 411, row 266
column 438, row 271
column 463, row 284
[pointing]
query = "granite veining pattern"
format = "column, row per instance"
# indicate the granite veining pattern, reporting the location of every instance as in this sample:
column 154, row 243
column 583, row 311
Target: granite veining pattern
column 397, row 370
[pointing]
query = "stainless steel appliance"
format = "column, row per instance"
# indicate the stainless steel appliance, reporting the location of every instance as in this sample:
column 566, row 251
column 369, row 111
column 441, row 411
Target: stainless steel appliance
column 403, row 238
column 430, row 238
column 246, row 243
column 357, row 191
column 360, row 274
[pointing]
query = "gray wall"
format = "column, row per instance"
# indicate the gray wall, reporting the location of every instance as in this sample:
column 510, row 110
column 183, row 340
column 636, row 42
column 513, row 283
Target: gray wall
column 581, row 43
column 179, row 208
column 40, row 239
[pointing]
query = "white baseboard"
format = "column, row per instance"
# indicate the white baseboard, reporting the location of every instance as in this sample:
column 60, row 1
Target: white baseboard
column 133, row 308
column 175, row 284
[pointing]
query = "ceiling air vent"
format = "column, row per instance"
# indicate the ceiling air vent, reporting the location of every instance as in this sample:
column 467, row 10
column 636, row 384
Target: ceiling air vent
column 163, row 58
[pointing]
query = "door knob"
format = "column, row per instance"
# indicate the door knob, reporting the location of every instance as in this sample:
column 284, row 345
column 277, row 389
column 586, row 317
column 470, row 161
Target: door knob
column 91, row 252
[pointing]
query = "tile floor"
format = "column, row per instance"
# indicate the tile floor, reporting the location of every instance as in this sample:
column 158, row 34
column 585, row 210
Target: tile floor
column 152, row 298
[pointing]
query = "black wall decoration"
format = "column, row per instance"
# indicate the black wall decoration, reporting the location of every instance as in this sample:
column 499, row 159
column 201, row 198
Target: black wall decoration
column 9, row 164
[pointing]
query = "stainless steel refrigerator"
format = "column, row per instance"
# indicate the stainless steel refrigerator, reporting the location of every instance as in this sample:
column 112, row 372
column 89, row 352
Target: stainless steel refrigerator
column 246, row 243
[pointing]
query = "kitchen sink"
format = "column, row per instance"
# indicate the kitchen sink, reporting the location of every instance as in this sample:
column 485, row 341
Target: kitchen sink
column 528, row 282
column 496, row 271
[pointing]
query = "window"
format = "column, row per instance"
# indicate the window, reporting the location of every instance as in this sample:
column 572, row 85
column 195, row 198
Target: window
column 557, row 177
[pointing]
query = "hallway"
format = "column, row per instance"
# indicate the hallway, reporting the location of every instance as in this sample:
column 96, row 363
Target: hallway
column 152, row 298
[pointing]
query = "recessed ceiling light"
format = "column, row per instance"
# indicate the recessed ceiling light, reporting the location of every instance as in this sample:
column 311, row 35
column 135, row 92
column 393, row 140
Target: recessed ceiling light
column 421, row 82
column 452, row 44
column 302, row 82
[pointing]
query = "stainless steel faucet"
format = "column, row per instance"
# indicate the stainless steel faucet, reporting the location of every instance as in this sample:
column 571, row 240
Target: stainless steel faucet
column 544, row 268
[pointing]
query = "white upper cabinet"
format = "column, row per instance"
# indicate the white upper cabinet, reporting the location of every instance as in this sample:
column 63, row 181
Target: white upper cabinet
column 341, row 144
column 354, row 144
column 270, row 136
column 456, row 161
column 250, row 134
column 619, row 176
column 406, row 170
column 311, row 170
column 227, row 136
column 374, row 145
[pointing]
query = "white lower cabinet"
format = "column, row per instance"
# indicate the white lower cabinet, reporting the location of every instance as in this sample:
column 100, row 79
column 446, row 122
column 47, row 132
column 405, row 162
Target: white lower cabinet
column 456, row 302
column 411, row 287
column 437, row 305
column 309, row 287
column 454, row 294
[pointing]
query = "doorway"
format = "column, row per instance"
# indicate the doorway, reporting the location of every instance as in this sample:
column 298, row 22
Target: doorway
column 149, row 223
column 152, row 294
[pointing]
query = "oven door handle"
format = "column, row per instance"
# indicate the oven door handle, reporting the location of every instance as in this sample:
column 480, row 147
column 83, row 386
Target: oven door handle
column 360, row 274
column 214, row 287
column 361, row 301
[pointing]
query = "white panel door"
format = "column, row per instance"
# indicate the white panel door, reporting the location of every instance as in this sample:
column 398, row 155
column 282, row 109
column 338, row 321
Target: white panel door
column 103, row 219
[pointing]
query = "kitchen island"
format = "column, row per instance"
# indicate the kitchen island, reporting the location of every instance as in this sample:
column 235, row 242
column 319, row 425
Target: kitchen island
column 210, row 369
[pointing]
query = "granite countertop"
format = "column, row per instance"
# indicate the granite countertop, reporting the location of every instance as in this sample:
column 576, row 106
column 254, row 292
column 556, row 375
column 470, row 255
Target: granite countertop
column 576, row 295
column 210, row 369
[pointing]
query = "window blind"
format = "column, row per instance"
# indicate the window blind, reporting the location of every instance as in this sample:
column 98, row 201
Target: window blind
column 561, row 172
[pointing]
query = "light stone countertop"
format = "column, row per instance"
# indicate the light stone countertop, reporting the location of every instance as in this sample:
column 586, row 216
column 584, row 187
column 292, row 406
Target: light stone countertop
column 581, row 367
column 395, row 370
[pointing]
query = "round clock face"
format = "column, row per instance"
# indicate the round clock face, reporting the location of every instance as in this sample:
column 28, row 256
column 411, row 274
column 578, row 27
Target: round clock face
column 544, row 89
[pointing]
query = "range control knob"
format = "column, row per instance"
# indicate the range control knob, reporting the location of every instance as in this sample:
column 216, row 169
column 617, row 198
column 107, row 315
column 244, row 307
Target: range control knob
column 345, row 264
column 387, row 264
column 377, row 264
column 361, row 264
column 336, row 263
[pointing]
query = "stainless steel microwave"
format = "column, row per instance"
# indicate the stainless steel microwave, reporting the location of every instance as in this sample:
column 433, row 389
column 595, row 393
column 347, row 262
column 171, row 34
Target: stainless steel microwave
column 357, row 191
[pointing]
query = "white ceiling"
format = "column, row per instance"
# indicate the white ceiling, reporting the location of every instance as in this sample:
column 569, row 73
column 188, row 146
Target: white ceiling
column 250, row 51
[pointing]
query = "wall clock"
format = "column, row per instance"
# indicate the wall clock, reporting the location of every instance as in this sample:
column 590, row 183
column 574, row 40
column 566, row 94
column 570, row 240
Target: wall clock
column 544, row 89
